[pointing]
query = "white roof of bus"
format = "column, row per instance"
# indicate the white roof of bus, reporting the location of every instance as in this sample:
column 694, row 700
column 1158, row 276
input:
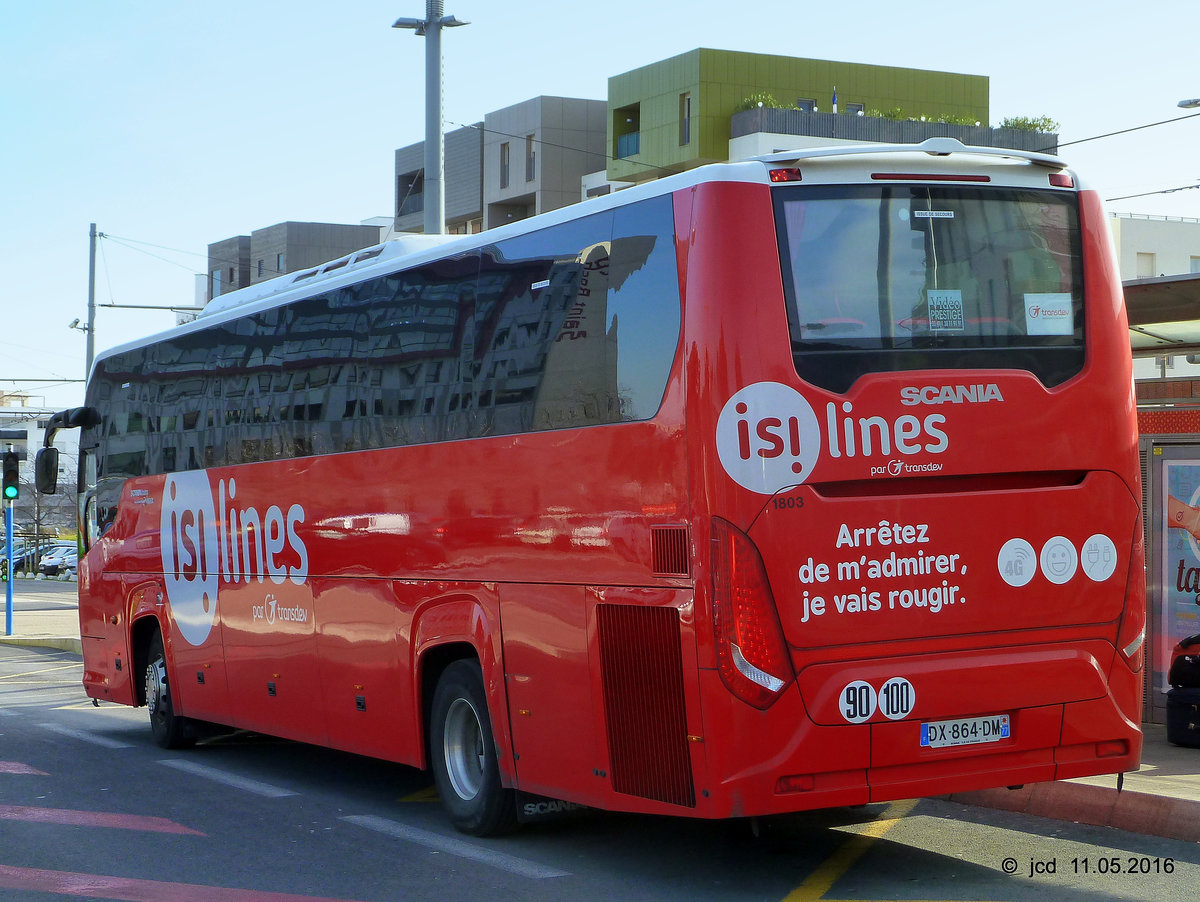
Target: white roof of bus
column 411, row 250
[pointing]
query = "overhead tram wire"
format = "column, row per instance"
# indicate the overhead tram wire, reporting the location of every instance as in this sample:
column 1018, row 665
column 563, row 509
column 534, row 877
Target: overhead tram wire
column 1149, row 193
column 128, row 242
column 1123, row 131
column 46, row 382
column 673, row 170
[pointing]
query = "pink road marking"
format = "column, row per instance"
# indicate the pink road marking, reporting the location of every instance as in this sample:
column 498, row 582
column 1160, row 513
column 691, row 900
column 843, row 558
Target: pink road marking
column 16, row 767
column 93, row 819
column 128, row 889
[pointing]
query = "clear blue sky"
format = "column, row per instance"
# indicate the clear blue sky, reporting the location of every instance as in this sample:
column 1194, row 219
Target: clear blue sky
column 178, row 124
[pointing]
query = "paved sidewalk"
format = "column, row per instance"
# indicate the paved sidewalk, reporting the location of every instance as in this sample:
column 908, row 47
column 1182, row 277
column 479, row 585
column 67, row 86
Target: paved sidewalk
column 53, row 624
column 1162, row 798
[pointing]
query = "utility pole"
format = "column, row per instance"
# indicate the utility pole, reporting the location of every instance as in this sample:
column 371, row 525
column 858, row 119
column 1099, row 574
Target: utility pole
column 12, row 489
column 91, row 323
column 434, row 191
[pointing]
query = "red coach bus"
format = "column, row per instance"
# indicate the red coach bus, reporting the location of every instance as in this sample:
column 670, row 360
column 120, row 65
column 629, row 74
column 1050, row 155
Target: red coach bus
column 805, row 481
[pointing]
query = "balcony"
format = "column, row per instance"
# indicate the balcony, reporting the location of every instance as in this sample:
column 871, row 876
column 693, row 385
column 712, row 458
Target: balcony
column 627, row 145
column 413, row 203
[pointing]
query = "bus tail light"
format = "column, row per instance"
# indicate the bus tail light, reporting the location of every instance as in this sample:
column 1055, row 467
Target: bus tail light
column 752, row 655
column 1131, row 633
column 1134, row 651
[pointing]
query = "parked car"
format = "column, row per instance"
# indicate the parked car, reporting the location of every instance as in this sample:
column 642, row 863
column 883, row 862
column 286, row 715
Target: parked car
column 60, row 559
column 26, row 557
column 23, row 561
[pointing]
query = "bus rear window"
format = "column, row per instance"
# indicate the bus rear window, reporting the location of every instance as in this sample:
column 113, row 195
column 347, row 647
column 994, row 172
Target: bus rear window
column 904, row 277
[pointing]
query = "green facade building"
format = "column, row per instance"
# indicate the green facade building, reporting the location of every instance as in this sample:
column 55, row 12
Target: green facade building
column 675, row 114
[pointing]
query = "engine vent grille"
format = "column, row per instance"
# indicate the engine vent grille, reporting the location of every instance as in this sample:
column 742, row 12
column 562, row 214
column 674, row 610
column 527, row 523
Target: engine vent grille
column 642, row 671
column 669, row 551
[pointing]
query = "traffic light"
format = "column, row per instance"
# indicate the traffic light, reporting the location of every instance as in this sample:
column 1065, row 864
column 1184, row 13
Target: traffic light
column 12, row 476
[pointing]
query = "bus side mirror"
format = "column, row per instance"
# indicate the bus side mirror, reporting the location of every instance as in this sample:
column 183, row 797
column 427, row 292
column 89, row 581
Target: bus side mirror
column 46, row 471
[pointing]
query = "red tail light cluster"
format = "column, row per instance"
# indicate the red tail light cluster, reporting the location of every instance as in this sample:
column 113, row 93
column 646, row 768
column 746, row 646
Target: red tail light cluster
column 752, row 654
column 791, row 174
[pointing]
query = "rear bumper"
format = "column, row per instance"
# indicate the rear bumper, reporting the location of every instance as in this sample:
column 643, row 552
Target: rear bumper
column 796, row 764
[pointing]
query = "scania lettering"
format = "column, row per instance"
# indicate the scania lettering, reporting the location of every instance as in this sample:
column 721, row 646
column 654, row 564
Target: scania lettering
column 803, row 481
column 950, row 394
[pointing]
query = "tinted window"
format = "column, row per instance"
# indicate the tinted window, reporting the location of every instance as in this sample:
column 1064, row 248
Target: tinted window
column 574, row 325
column 916, row 276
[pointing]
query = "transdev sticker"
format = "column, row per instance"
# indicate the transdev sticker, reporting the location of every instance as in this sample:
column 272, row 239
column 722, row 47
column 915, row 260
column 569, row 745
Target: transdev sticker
column 1050, row 313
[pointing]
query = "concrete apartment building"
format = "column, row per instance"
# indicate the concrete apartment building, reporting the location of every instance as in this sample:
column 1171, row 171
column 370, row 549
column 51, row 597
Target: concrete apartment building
column 1151, row 246
column 23, row 426
column 243, row 260
column 522, row 160
column 679, row 113
column 676, row 113
column 691, row 109
column 463, row 149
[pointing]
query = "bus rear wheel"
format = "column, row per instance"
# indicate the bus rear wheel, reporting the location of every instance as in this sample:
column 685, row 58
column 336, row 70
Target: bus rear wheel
column 463, row 755
column 170, row 731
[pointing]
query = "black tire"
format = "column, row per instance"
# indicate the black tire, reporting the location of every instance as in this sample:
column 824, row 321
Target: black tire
column 462, row 754
column 170, row 730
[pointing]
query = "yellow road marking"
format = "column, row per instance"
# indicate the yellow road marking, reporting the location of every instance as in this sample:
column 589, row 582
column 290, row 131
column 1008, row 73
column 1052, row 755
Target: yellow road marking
column 832, row 868
column 428, row 794
column 30, row 673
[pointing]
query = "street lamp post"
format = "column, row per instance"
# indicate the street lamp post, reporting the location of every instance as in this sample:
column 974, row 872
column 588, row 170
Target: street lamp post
column 430, row 28
column 1189, row 104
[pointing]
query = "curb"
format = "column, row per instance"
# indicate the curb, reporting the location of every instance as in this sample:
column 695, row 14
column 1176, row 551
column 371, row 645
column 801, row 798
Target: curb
column 1135, row 812
column 61, row 643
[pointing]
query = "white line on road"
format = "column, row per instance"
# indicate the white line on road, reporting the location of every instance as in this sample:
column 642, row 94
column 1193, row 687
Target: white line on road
column 221, row 776
column 520, row 866
column 85, row 736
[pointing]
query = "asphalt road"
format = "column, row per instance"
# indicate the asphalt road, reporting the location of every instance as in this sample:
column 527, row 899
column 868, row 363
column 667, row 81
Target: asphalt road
column 92, row 808
column 39, row 594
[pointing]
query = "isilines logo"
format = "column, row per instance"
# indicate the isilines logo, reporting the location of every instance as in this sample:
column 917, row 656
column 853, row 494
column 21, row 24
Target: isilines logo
column 768, row 437
column 209, row 541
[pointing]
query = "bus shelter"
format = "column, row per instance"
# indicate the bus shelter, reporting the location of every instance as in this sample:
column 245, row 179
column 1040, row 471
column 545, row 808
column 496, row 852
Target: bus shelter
column 1164, row 322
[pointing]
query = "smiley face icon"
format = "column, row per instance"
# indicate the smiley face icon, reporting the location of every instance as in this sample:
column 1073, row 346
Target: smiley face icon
column 1059, row 560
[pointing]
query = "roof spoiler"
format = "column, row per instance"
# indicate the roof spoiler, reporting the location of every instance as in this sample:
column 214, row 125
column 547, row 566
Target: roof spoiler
column 935, row 147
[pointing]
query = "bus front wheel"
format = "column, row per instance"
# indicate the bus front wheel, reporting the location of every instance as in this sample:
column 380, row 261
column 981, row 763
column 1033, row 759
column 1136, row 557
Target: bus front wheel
column 170, row 731
column 463, row 755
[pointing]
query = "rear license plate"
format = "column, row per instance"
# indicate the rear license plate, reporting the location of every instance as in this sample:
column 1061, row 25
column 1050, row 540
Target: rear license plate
column 940, row 734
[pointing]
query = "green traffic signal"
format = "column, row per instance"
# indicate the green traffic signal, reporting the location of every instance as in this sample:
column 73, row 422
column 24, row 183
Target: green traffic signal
column 12, row 476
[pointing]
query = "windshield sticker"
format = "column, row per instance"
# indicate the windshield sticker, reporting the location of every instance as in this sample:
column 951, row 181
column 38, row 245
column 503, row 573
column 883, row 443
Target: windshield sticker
column 945, row 310
column 1050, row 313
column 933, row 214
